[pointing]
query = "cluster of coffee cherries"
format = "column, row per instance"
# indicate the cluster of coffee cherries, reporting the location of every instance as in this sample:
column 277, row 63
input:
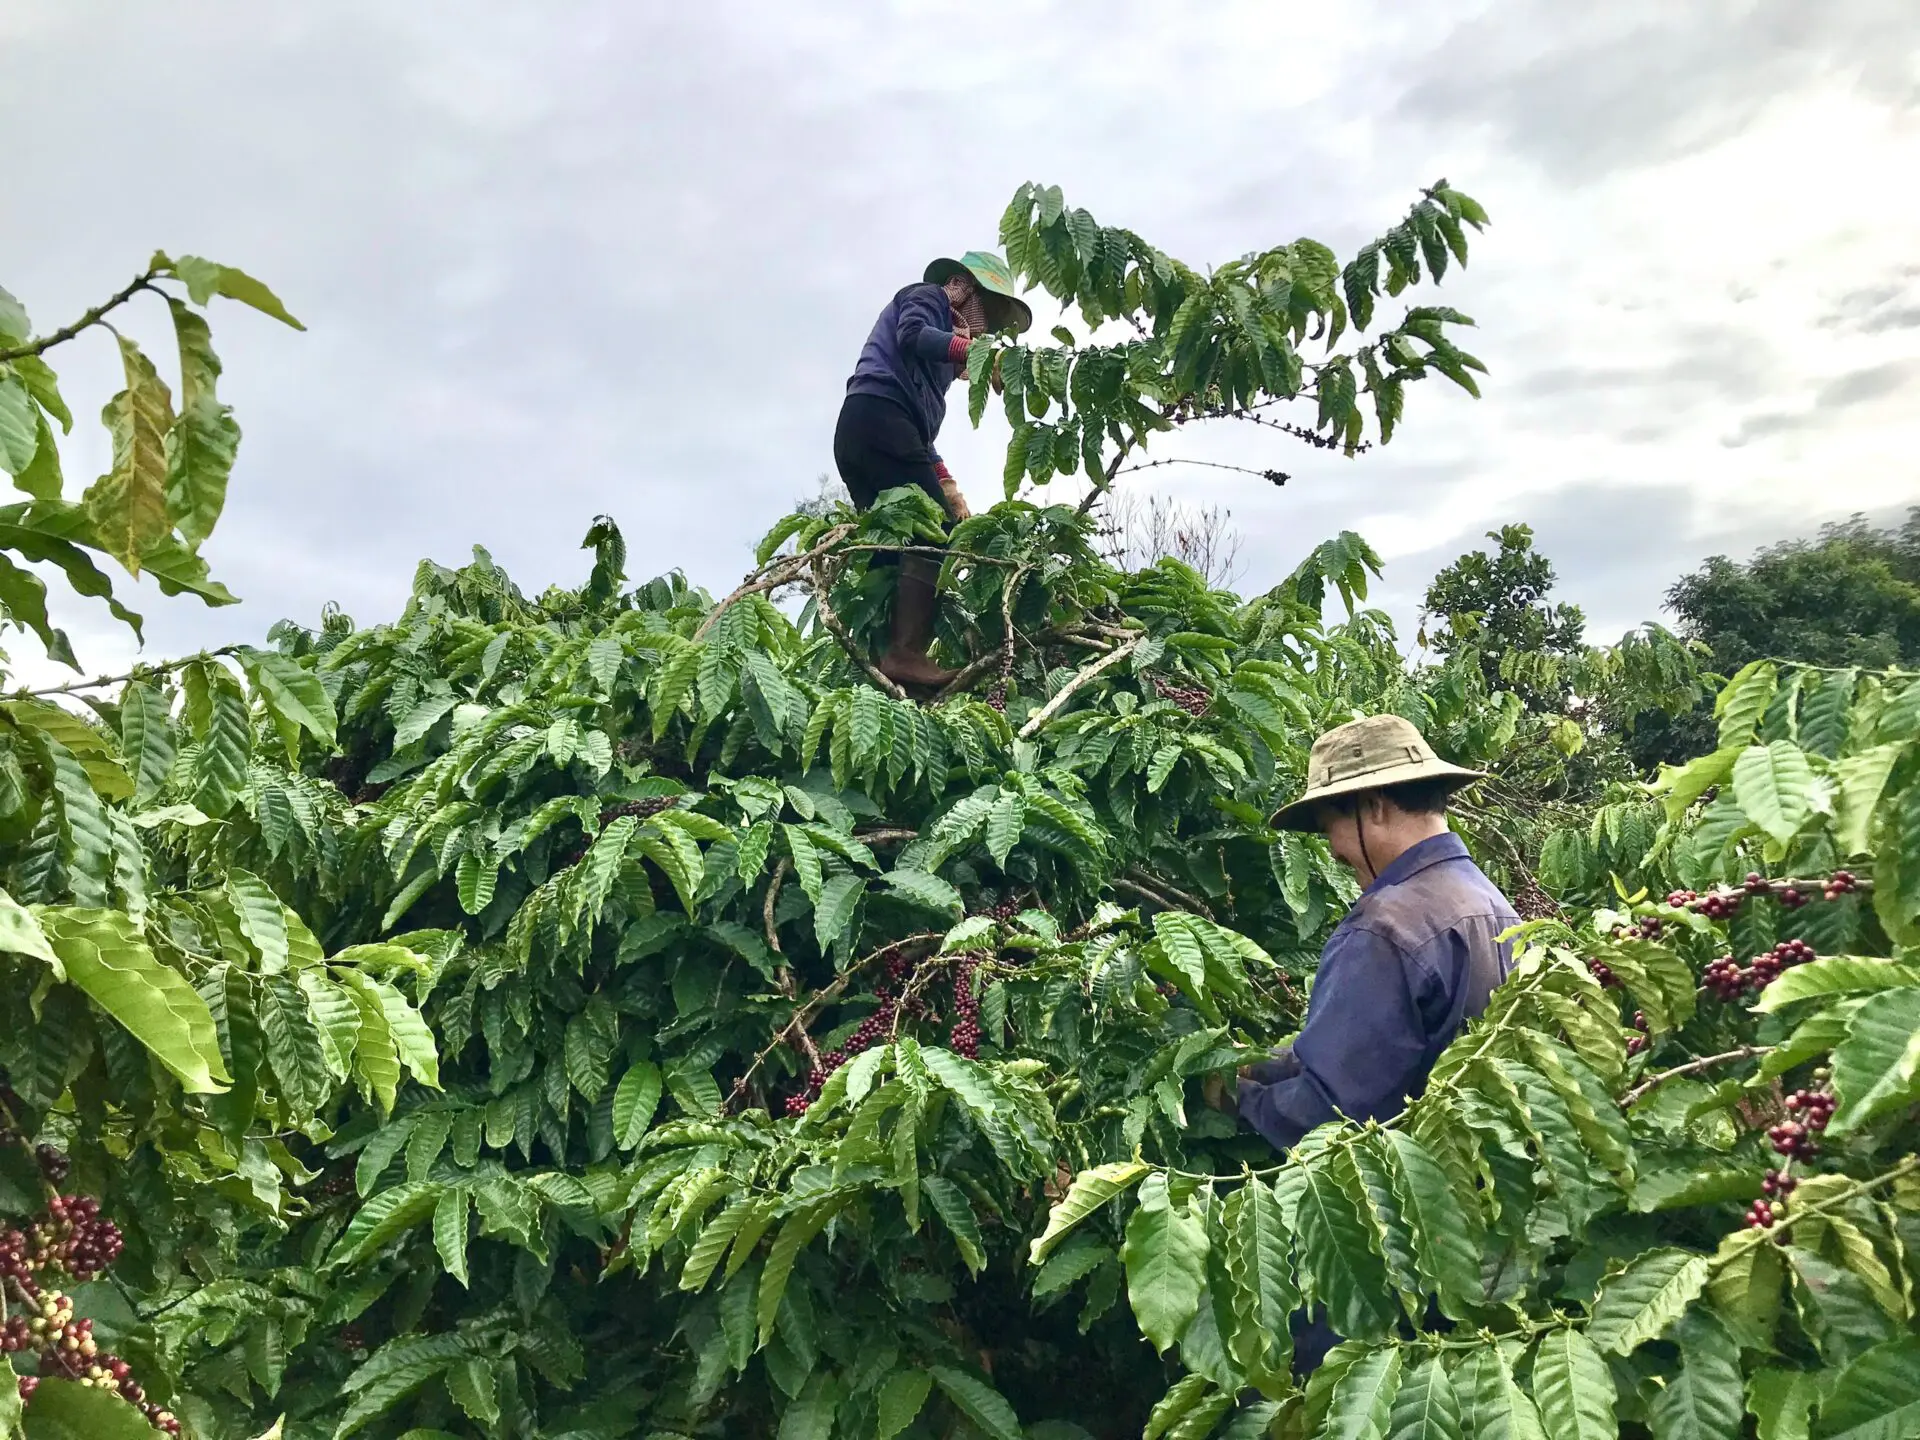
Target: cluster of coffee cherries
column 1808, row 1112
column 1648, row 927
column 997, row 697
column 1603, row 972
column 1721, row 904
column 69, row 1238
column 1638, row 1041
column 1191, row 698
column 965, row 1035
column 1727, row 980
column 639, row 809
column 869, row 1032
column 1766, row 968
column 1771, row 1207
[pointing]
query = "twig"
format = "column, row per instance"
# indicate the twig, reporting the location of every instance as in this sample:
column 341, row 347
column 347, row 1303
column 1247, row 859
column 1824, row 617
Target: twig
column 1727, row 1057
column 1106, row 482
column 1730, row 1253
column 845, row 636
column 766, row 915
column 1276, row 477
column 941, row 550
column 886, row 836
column 1138, row 879
column 86, row 321
column 969, row 673
column 139, row 672
column 1080, row 679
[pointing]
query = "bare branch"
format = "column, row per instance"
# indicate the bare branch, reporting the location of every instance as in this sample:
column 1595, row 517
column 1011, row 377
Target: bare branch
column 1081, row 678
column 87, row 321
column 1692, row 1067
column 781, row 570
column 139, row 672
column 1161, row 893
column 845, row 636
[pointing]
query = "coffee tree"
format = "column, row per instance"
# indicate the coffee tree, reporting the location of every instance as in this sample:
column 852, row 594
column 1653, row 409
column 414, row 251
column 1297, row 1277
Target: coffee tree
column 618, row 1012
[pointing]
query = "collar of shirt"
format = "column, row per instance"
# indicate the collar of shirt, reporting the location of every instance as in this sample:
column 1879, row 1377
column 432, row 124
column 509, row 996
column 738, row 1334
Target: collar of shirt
column 1415, row 858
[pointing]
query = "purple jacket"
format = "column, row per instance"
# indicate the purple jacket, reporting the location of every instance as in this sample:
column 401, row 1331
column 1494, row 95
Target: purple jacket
column 905, row 358
column 1414, row 960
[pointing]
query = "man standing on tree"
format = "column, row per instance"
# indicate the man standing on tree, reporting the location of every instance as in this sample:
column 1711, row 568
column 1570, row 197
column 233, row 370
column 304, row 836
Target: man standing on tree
column 1416, row 957
column 896, row 401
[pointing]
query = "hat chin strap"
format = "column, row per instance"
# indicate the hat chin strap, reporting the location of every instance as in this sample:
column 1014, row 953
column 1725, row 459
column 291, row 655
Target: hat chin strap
column 1360, row 833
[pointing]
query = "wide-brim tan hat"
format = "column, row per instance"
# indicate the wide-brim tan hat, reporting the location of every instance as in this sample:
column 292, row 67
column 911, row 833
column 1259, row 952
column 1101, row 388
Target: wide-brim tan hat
column 1368, row 754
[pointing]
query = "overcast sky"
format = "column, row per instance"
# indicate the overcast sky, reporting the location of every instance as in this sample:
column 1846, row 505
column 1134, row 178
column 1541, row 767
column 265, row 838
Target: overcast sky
column 564, row 258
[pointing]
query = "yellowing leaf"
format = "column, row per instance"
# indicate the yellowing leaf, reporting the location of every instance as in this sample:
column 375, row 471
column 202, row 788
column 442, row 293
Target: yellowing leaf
column 128, row 505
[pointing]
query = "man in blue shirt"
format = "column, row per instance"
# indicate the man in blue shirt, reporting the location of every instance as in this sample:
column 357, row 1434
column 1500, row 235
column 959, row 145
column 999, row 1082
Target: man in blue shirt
column 1416, row 957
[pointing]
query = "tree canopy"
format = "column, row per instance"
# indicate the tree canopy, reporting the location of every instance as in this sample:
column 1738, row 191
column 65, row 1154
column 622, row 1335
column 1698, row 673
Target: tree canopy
column 1849, row 596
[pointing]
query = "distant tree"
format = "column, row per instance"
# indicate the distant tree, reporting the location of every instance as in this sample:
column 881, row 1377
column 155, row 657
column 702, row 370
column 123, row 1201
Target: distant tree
column 828, row 495
column 1136, row 529
column 1609, row 712
column 1850, row 596
column 1497, row 606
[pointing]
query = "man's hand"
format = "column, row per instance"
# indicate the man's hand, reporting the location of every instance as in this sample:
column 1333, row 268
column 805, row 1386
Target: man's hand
column 1215, row 1091
column 956, row 503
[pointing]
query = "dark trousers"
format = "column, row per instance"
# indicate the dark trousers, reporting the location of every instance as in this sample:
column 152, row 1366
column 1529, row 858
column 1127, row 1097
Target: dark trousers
column 877, row 447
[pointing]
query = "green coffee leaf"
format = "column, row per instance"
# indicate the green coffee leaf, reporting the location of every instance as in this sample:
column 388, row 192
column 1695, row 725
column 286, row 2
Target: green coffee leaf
column 1638, row 1303
column 985, row 1406
column 901, row 1399
column 1165, row 1257
column 1877, row 1397
column 1426, row 1408
column 1773, row 784
column 1837, row 975
column 1876, row 1069
column 1573, row 1387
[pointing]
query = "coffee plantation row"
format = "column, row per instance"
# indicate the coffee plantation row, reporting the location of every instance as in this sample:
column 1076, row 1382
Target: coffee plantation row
column 621, row 1013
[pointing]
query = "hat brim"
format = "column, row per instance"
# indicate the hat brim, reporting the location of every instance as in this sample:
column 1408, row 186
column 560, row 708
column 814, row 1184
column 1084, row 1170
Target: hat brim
column 1300, row 814
column 1004, row 311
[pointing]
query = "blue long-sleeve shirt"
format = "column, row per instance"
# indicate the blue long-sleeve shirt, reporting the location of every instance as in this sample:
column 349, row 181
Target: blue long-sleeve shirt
column 1414, row 959
column 905, row 358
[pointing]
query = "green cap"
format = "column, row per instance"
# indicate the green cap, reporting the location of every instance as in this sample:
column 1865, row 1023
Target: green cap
column 1005, row 309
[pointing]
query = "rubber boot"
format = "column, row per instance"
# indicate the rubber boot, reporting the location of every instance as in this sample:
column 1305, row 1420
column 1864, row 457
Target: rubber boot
column 906, row 661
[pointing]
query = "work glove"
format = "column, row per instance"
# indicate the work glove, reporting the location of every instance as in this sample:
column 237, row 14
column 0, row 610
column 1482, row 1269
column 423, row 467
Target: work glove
column 956, row 503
